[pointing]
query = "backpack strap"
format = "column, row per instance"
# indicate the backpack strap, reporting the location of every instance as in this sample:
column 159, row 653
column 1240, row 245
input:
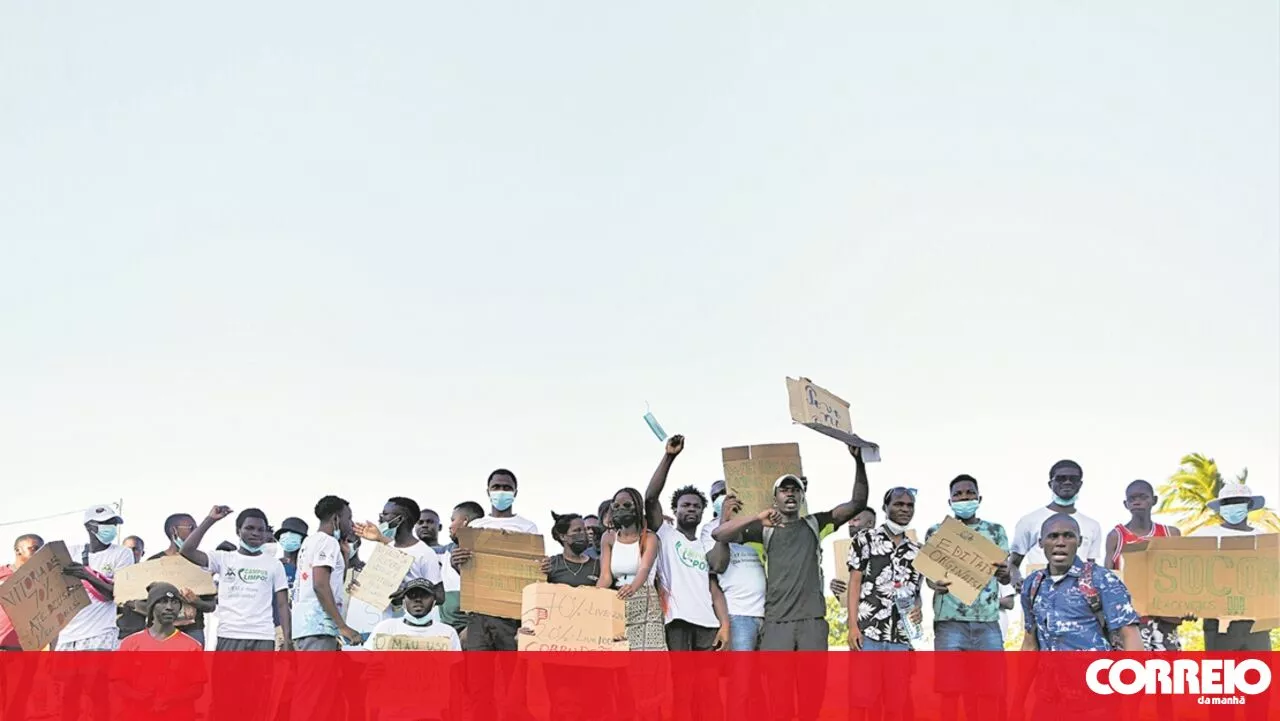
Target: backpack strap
column 1090, row 593
column 766, row 534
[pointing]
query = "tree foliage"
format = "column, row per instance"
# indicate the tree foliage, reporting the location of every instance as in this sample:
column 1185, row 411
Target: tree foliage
column 1188, row 491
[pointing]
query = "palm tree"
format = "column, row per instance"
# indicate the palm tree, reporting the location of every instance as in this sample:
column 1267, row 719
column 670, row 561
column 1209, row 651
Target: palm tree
column 1189, row 490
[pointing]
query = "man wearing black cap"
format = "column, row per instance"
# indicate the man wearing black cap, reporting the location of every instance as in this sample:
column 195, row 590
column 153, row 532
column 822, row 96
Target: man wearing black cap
column 419, row 596
column 1065, row 481
column 141, row 694
column 163, row 607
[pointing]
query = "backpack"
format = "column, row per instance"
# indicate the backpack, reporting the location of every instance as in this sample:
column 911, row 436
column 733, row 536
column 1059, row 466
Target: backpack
column 1091, row 597
column 812, row 523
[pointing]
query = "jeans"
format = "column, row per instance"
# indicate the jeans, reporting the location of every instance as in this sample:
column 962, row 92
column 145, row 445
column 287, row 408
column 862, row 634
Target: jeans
column 967, row 636
column 869, row 645
column 744, row 632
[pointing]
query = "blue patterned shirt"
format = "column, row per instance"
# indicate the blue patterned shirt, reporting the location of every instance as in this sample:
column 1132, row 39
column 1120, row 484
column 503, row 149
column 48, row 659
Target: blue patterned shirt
column 1061, row 619
column 986, row 607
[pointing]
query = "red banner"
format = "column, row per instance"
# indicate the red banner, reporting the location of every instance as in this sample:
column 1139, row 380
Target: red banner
column 839, row 686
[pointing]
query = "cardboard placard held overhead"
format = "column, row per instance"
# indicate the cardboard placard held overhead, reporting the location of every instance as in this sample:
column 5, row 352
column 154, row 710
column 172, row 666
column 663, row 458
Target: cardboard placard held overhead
column 961, row 556
column 1230, row 578
column 501, row 565
column 749, row 472
column 813, row 406
column 555, row 617
column 131, row 581
column 842, row 567
column 382, row 575
column 39, row 600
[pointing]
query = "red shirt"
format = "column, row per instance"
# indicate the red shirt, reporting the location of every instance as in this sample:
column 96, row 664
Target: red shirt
column 8, row 635
column 144, row 641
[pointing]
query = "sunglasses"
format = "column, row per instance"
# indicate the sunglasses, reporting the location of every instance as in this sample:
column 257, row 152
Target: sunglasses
column 912, row 491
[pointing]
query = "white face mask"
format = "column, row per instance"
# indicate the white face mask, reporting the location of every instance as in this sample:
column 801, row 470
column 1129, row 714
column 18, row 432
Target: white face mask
column 894, row 528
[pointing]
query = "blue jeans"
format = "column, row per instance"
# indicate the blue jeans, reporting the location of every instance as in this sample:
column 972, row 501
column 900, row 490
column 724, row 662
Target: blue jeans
column 869, row 645
column 967, row 636
column 744, row 632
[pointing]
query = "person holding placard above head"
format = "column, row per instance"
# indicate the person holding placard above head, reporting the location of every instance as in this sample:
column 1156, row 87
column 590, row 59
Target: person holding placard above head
column 1066, row 478
column 396, row 528
column 1234, row 503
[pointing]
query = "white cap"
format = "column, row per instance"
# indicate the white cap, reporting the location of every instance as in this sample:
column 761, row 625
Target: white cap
column 1236, row 490
column 101, row 514
column 789, row 477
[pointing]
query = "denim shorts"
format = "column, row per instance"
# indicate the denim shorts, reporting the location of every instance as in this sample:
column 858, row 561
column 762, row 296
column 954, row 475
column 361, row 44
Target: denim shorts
column 744, row 632
column 967, row 636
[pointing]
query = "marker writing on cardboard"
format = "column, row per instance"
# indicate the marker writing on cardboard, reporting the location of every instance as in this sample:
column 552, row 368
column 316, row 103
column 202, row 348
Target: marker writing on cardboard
column 654, row 425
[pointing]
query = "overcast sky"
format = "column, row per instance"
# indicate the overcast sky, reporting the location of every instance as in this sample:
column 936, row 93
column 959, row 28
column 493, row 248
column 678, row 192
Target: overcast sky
column 255, row 254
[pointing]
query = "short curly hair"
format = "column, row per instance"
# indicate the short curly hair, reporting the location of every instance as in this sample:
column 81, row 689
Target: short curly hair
column 687, row 491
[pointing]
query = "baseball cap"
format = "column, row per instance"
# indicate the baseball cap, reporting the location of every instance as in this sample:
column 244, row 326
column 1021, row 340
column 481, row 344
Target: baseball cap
column 435, row 589
column 102, row 514
column 789, row 477
column 717, row 489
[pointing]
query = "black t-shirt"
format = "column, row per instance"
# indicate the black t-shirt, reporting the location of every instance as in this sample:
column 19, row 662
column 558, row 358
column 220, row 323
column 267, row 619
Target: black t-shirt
column 793, row 588
column 130, row 621
column 574, row 574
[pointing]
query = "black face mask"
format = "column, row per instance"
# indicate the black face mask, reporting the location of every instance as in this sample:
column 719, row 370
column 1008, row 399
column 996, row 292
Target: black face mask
column 578, row 546
column 624, row 517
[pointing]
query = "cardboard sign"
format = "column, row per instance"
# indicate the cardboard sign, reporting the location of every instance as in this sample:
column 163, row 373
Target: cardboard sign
column 749, row 472
column 1229, row 578
column 501, row 565
column 842, row 567
column 383, row 642
column 555, row 617
column 39, row 600
column 962, row 556
column 815, row 407
column 382, row 575
column 131, row 581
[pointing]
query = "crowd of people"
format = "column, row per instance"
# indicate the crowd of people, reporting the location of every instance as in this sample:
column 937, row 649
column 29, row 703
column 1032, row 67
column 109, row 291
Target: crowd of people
column 739, row 582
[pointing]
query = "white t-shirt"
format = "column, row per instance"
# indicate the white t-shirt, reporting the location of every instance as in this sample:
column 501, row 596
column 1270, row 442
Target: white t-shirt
column 426, row 564
column 743, row 581
column 683, row 574
column 398, row 627
column 1026, row 537
column 1006, row 617
column 514, row 524
column 309, row 617
column 1220, row 531
column 246, row 587
column 451, row 578
column 99, row 617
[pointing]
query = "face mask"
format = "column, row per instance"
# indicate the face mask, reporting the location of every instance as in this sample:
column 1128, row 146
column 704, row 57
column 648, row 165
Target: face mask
column 352, row 551
column 106, row 534
column 337, row 531
column 1058, row 500
column 177, row 543
column 416, row 620
column 718, row 505
column 622, row 519
column 388, row 530
column 502, row 500
column 964, row 509
column 1235, row 513
column 894, row 528
column 290, row 541
column 250, row 548
column 579, row 546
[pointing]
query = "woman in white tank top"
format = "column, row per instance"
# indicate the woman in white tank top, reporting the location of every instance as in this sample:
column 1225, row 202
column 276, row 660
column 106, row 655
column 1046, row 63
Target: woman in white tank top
column 628, row 556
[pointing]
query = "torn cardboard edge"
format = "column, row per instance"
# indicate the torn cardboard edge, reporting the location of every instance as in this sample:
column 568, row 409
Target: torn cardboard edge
column 834, row 421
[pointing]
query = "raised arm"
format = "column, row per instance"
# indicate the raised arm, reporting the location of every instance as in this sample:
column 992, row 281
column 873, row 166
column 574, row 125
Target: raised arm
column 191, row 547
column 719, row 556
column 653, row 493
column 845, row 512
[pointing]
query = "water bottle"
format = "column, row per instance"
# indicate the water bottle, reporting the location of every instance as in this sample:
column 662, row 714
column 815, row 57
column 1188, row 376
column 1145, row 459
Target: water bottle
column 906, row 601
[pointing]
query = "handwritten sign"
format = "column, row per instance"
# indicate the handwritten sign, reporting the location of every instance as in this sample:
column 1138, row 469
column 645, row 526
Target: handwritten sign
column 842, row 567
column 556, row 617
column 961, row 556
column 813, row 406
column 1228, row 578
column 749, row 472
column 382, row 575
column 501, row 565
column 384, row 642
column 131, row 581
column 39, row 600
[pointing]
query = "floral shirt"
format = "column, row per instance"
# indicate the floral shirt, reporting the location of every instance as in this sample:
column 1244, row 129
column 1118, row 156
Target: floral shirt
column 882, row 565
column 986, row 607
column 1060, row 616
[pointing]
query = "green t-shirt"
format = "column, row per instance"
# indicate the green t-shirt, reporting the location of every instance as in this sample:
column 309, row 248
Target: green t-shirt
column 986, row 608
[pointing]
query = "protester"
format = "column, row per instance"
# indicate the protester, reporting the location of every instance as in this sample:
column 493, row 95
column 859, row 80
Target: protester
column 739, row 573
column 24, row 547
column 595, row 531
column 95, row 563
column 427, row 529
column 490, row 633
column 396, row 528
column 249, row 581
column 1065, row 481
column 418, row 597
column 318, row 620
column 138, row 692
column 881, row 566
column 1234, row 503
column 450, row 611
column 696, row 616
column 572, row 567
column 628, row 562
column 135, row 544
column 1158, row 634
column 292, row 532
column 865, row 519
column 133, row 615
column 163, row 607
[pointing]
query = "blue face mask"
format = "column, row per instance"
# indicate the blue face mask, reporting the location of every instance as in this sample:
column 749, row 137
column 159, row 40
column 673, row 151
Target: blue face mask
column 964, row 510
column 388, row 530
column 106, row 534
column 502, row 500
column 718, row 505
column 1060, row 501
column 290, row 541
column 250, row 548
column 177, row 542
column 1234, row 513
